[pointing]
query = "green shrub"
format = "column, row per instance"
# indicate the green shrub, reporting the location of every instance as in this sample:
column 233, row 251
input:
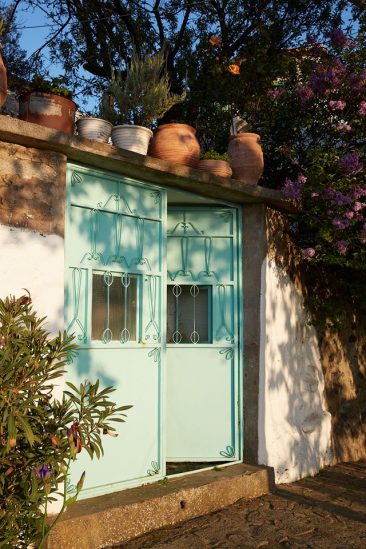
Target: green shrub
column 40, row 436
column 213, row 155
column 143, row 95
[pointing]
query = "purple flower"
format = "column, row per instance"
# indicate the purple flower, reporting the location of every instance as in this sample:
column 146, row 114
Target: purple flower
column 338, row 38
column 329, row 193
column 339, row 199
column 357, row 206
column 275, row 93
column 305, row 94
column 344, row 128
column 357, row 82
column 323, row 80
column 337, row 105
column 293, row 189
column 43, row 472
column 340, row 223
column 350, row 164
column 362, row 108
column 349, row 214
column 308, row 252
column 342, row 246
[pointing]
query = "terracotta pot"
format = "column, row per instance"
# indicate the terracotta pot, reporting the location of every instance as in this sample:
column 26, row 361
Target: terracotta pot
column 3, row 82
column 131, row 138
column 176, row 143
column 246, row 157
column 47, row 109
column 96, row 129
column 216, row 167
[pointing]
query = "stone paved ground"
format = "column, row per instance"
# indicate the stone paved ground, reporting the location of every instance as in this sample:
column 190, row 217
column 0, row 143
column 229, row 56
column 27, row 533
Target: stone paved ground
column 324, row 512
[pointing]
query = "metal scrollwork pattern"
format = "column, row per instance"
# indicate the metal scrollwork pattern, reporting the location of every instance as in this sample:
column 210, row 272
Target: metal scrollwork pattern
column 77, row 277
column 152, row 328
column 223, row 326
column 229, row 452
column 155, row 469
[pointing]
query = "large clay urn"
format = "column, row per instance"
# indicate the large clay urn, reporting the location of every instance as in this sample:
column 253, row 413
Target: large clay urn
column 246, row 157
column 47, row 109
column 3, row 82
column 176, row 143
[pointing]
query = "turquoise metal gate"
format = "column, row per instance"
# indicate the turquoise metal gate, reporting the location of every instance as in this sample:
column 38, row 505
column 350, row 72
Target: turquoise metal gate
column 115, row 250
column 203, row 335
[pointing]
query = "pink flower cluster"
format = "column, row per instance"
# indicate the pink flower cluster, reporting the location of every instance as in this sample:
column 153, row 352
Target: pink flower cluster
column 337, row 105
column 344, row 128
column 342, row 246
column 307, row 253
column 362, row 108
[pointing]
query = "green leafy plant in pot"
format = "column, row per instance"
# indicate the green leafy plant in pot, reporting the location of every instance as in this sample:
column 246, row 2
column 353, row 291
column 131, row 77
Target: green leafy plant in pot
column 215, row 163
column 138, row 100
column 48, row 103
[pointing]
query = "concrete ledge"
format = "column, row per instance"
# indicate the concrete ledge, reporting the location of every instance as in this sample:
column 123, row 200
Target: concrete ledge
column 137, row 166
column 109, row 520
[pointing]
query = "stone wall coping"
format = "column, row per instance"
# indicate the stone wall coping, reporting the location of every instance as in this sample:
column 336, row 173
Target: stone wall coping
column 136, row 166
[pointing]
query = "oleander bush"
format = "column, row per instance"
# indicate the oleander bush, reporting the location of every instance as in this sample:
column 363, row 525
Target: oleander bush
column 40, row 435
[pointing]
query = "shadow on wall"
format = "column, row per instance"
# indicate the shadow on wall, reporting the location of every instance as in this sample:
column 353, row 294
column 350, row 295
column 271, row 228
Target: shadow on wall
column 32, row 190
column 315, row 379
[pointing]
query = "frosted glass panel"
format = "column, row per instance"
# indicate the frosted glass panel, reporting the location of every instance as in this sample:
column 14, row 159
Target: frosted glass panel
column 114, row 307
column 188, row 314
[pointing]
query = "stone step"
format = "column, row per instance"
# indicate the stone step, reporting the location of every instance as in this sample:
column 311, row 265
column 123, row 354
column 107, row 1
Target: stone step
column 109, row 520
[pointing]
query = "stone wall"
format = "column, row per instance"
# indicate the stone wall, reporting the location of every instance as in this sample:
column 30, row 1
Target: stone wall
column 316, row 378
column 32, row 202
column 32, row 188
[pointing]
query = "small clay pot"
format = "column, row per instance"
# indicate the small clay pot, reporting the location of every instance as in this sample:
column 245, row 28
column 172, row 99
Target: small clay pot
column 49, row 110
column 216, row 167
column 3, row 82
column 246, row 157
column 176, row 143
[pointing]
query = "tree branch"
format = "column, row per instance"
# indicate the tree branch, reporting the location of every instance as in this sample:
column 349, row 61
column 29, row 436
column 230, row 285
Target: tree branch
column 129, row 24
column 159, row 22
column 181, row 31
column 53, row 37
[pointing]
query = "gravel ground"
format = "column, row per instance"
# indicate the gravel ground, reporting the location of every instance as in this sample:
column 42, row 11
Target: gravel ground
column 323, row 512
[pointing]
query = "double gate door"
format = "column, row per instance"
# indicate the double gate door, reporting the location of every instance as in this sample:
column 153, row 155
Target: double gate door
column 165, row 336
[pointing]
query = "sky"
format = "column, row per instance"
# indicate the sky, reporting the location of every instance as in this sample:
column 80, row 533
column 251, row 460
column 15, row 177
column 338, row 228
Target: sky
column 33, row 32
column 34, row 28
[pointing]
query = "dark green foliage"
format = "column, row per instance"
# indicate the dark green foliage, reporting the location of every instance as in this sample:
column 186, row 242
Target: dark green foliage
column 213, row 155
column 39, row 435
column 53, row 85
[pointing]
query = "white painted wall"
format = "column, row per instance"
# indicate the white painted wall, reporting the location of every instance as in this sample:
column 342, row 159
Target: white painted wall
column 294, row 426
column 36, row 262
